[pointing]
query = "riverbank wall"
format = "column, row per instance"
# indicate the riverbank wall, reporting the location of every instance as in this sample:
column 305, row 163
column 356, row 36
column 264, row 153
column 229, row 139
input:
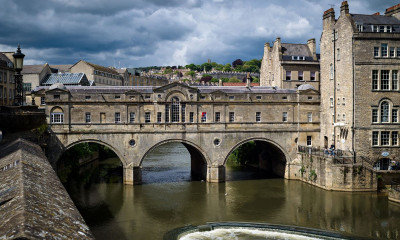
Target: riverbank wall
column 33, row 202
column 320, row 171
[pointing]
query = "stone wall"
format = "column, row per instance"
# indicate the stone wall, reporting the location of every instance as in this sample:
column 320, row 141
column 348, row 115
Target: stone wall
column 33, row 202
column 394, row 195
column 321, row 172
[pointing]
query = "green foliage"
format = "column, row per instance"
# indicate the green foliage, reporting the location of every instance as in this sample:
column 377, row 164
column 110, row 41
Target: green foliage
column 256, row 80
column 227, row 68
column 224, row 79
column 302, row 170
column 206, row 67
column 191, row 74
column 312, row 176
column 245, row 154
column 214, row 80
column 234, row 80
column 193, row 67
column 168, row 71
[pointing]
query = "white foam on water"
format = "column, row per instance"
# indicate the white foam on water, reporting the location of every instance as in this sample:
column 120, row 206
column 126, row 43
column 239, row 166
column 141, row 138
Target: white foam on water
column 244, row 234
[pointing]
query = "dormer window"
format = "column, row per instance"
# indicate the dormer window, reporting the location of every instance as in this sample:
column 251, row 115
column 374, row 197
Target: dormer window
column 382, row 28
column 360, row 27
column 298, row 58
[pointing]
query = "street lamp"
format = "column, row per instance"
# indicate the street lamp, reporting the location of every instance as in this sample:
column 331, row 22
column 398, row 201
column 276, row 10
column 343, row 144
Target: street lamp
column 18, row 65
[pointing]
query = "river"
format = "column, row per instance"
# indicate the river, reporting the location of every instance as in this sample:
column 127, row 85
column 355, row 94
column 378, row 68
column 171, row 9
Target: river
column 167, row 199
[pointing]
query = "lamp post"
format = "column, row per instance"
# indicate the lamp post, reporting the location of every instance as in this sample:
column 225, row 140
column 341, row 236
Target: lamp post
column 18, row 65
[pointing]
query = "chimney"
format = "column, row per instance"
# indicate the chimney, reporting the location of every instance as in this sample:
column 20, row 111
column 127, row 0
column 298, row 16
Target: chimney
column 312, row 46
column 393, row 11
column 330, row 13
column 344, row 9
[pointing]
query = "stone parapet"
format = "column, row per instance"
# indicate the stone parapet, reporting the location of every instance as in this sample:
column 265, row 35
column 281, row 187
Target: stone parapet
column 33, row 202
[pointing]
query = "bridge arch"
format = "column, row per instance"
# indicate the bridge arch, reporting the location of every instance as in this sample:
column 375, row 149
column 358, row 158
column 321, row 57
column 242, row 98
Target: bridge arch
column 120, row 156
column 273, row 158
column 198, row 157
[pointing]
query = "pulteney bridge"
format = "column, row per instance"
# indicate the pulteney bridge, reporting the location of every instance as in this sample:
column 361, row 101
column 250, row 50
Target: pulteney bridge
column 210, row 122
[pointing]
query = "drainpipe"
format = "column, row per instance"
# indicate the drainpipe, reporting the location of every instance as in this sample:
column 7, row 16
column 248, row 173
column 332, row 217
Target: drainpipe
column 354, row 103
column 334, row 88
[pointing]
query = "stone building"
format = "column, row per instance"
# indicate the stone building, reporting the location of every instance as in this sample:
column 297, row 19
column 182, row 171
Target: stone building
column 288, row 65
column 102, row 76
column 7, row 84
column 360, row 98
column 33, row 77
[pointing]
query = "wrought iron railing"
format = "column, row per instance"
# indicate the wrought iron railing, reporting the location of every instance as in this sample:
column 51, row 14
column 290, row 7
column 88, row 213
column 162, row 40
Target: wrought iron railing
column 339, row 156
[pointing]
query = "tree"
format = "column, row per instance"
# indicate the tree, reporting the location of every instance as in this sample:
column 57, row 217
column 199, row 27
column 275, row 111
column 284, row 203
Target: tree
column 227, row 67
column 206, row 66
column 206, row 78
column 193, row 67
column 237, row 62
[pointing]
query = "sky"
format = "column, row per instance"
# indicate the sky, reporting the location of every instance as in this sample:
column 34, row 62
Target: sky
column 137, row 33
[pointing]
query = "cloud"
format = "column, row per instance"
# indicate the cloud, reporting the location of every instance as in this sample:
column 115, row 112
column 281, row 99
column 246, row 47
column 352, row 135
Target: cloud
column 160, row 32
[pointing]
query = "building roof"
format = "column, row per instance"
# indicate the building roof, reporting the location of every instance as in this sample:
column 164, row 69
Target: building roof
column 5, row 61
column 240, row 84
column 150, row 89
column 101, row 68
column 62, row 68
column 291, row 49
column 33, row 69
column 375, row 19
column 64, row 78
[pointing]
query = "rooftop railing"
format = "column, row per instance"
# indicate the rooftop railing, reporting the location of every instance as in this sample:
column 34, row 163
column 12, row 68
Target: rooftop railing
column 338, row 156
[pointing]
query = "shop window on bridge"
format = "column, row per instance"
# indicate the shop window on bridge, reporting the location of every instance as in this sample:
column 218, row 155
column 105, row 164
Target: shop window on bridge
column 88, row 117
column 203, row 116
column 147, row 117
column 217, row 117
column 117, row 117
column 191, row 117
column 159, row 117
column 175, row 109
column 132, row 117
column 57, row 116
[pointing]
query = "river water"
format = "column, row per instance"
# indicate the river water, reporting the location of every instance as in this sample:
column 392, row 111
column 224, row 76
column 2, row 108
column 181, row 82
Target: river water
column 168, row 199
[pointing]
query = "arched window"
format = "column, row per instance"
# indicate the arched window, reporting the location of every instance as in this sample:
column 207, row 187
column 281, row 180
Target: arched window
column 175, row 109
column 384, row 112
column 57, row 115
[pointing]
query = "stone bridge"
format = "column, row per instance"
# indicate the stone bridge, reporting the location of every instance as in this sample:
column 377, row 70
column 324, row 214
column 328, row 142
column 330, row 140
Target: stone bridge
column 211, row 122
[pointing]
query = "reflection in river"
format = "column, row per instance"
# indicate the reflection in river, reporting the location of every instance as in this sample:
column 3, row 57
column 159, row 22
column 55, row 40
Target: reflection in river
column 168, row 200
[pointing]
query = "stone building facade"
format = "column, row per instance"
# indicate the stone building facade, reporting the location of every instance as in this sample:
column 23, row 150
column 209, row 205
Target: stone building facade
column 360, row 97
column 288, row 65
column 7, row 84
column 102, row 76
column 33, row 77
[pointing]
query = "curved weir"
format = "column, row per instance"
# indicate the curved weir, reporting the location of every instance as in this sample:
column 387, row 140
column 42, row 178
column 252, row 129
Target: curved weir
column 250, row 231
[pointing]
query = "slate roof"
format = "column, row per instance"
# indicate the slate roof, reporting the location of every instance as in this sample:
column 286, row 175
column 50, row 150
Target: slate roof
column 5, row 61
column 368, row 20
column 66, row 79
column 149, row 89
column 32, row 69
column 290, row 49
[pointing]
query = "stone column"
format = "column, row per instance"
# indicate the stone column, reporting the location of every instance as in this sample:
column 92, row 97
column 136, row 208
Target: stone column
column 133, row 175
column 216, row 173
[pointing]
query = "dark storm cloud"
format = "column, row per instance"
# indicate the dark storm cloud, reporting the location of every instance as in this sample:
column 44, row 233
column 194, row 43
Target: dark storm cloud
column 160, row 32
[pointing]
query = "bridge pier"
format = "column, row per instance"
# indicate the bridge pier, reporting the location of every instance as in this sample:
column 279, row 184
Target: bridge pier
column 133, row 175
column 216, row 173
